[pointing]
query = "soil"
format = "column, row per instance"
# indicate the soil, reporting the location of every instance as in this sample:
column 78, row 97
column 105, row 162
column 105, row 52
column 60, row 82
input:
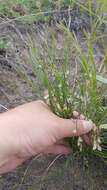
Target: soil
column 14, row 90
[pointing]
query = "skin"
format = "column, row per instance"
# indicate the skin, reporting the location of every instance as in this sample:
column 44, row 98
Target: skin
column 31, row 129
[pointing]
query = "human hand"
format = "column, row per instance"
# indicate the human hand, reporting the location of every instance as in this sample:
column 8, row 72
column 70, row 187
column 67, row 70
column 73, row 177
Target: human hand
column 32, row 129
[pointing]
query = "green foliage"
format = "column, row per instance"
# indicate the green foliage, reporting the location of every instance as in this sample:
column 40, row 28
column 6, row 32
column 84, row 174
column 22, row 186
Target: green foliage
column 6, row 8
column 102, row 79
column 103, row 4
column 86, row 93
column 3, row 44
column 31, row 6
column 73, row 80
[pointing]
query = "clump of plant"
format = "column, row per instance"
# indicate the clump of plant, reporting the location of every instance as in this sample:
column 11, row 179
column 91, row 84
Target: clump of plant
column 74, row 84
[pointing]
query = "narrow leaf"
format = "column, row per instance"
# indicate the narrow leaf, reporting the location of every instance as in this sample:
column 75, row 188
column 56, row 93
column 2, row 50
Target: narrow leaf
column 101, row 79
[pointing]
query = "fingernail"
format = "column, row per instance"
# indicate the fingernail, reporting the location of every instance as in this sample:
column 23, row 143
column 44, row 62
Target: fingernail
column 88, row 125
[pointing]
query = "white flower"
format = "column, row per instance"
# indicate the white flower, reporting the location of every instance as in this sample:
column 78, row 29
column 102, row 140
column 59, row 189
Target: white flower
column 75, row 114
column 46, row 94
column 58, row 106
column 60, row 85
column 95, row 146
column 99, row 148
column 40, row 66
column 67, row 72
column 79, row 143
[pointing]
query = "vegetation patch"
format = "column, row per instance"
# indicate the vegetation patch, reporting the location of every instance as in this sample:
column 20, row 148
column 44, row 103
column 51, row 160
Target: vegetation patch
column 74, row 82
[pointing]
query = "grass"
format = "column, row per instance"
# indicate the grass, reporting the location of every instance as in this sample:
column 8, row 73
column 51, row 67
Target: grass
column 29, row 10
column 72, row 77
column 16, row 8
column 42, row 11
column 104, row 5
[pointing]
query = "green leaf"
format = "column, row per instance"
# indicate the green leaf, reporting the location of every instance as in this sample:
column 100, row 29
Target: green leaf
column 101, row 79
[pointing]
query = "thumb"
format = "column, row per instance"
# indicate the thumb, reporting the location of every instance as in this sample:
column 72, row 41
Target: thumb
column 73, row 127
